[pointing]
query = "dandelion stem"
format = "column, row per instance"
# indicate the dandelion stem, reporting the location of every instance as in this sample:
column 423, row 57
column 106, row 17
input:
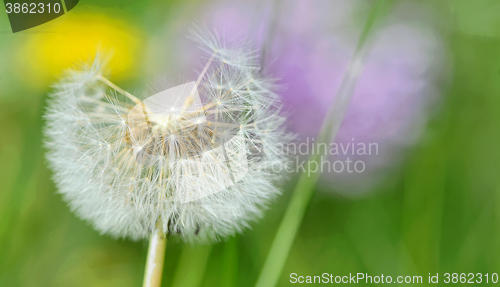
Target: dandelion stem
column 156, row 256
column 304, row 189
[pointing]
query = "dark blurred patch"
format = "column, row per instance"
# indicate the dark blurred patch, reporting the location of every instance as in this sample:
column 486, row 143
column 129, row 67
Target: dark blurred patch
column 25, row 15
column 70, row 4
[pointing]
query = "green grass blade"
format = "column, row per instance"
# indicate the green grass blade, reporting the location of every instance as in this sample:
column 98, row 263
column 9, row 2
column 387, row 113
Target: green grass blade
column 303, row 191
column 191, row 266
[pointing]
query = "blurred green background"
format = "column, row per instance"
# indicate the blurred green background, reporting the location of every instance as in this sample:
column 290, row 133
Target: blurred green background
column 440, row 212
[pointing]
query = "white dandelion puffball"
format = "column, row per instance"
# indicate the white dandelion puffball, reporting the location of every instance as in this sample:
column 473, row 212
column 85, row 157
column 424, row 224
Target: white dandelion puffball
column 200, row 160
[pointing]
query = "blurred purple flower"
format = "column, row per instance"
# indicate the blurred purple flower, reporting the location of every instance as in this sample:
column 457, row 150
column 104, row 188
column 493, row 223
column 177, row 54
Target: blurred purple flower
column 309, row 53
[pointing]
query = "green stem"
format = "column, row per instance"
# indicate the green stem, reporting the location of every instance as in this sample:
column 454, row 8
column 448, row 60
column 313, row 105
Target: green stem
column 304, row 189
column 271, row 31
column 156, row 256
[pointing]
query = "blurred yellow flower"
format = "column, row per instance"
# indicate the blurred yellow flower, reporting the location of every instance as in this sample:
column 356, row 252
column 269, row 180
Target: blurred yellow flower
column 55, row 46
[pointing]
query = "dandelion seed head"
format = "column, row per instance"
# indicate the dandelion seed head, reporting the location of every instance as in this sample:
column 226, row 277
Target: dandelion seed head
column 197, row 157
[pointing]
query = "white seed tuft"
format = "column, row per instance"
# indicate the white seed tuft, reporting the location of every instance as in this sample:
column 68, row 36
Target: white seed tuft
column 201, row 168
